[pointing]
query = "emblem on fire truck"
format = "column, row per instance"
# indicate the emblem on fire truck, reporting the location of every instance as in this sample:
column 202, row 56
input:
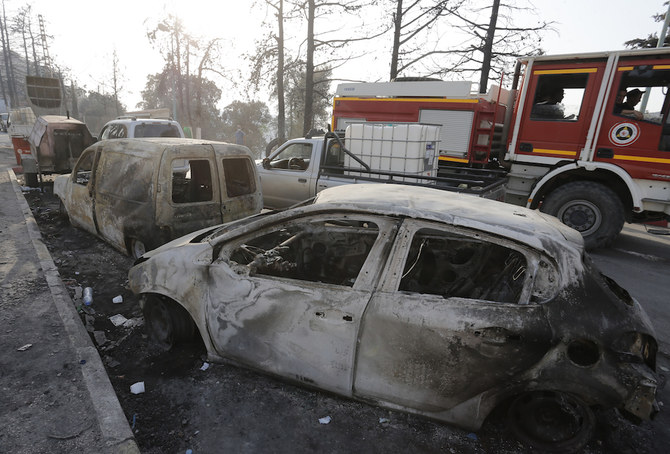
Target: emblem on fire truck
column 623, row 134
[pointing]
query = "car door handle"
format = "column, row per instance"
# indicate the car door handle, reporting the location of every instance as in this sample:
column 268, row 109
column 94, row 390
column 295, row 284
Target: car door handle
column 302, row 180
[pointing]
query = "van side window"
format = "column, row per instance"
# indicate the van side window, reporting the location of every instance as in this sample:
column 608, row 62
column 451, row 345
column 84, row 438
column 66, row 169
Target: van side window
column 239, row 176
column 191, row 181
column 558, row 97
column 83, row 168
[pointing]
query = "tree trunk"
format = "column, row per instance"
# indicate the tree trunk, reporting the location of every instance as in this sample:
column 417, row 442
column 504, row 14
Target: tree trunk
column 32, row 43
column 188, row 84
column 281, row 109
column 397, row 26
column 309, row 70
column 488, row 48
column 6, row 51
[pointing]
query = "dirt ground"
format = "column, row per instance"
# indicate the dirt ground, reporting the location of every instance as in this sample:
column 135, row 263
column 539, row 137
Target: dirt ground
column 230, row 409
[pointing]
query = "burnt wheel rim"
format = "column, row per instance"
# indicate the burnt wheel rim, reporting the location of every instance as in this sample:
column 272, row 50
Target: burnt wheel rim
column 551, row 421
column 581, row 215
column 137, row 249
column 159, row 321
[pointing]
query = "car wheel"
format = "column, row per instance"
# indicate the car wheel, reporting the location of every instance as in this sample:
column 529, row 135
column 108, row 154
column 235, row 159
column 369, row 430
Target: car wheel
column 551, row 421
column 591, row 208
column 137, row 248
column 167, row 322
column 31, row 180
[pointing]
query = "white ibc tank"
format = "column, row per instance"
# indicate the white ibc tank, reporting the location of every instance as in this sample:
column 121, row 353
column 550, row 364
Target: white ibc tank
column 401, row 147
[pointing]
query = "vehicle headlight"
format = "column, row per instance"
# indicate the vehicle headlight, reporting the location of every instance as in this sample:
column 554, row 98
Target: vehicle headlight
column 640, row 346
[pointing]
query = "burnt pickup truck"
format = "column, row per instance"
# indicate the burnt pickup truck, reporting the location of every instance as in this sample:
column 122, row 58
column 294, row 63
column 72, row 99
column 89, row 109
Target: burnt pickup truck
column 399, row 153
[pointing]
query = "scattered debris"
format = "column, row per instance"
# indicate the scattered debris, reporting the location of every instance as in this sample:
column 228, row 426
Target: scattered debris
column 118, row 319
column 117, row 299
column 205, row 366
column 133, row 322
column 383, row 420
column 88, row 296
column 472, row 436
column 100, row 337
column 325, row 420
column 24, row 348
column 137, row 388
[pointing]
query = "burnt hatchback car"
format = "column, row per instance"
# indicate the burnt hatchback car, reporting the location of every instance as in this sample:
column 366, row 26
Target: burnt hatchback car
column 441, row 306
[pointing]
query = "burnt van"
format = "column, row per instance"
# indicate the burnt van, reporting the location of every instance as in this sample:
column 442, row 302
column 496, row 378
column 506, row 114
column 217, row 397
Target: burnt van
column 138, row 194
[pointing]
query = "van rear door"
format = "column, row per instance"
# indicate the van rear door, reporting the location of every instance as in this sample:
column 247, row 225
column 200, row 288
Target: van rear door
column 189, row 196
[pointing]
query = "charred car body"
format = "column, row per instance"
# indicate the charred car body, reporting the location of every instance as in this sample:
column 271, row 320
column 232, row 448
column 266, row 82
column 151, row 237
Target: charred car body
column 140, row 193
column 56, row 142
column 408, row 299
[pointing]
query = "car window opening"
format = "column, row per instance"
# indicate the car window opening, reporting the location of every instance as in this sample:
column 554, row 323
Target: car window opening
column 444, row 264
column 191, row 181
column 331, row 252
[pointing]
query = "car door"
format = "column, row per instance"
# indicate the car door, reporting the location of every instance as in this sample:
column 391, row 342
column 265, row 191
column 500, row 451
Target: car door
column 80, row 203
column 240, row 192
column 288, row 176
column 192, row 198
column 558, row 109
column 289, row 298
column 447, row 323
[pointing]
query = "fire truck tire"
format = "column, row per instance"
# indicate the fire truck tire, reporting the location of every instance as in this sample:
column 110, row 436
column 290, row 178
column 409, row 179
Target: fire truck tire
column 31, row 179
column 589, row 207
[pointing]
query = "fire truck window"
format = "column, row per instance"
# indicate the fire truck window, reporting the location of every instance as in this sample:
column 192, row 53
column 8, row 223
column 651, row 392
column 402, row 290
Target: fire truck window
column 558, row 97
column 645, row 93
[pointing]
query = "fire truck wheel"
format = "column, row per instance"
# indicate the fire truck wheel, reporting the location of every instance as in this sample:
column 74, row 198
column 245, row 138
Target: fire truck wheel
column 31, row 180
column 589, row 207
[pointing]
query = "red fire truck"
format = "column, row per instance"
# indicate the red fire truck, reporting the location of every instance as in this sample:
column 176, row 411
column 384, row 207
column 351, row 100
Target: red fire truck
column 585, row 137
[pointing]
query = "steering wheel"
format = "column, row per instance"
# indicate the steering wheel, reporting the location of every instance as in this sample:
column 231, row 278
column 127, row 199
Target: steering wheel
column 296, row 164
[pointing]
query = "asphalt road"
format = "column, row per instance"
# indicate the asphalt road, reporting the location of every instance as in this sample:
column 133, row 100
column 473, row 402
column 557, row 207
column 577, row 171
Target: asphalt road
column 640, row 262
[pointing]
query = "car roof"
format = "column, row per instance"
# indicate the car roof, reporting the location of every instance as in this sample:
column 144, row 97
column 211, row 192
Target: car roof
column 538, row 230
column 148, row 147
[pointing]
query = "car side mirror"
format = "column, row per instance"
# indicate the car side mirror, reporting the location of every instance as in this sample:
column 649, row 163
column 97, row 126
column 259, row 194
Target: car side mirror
column 266, row 163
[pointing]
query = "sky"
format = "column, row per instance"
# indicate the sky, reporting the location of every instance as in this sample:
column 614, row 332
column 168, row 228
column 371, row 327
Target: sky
column 85, row 34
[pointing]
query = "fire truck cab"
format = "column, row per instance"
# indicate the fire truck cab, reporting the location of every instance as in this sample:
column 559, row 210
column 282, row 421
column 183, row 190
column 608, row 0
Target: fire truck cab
column 585, row 137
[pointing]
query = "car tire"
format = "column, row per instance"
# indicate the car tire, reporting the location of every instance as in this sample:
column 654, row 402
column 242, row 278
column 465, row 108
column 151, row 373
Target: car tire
column 31, row 179
column 137, row 248
column 551, row 421
column 167, row 322
column 591, row 208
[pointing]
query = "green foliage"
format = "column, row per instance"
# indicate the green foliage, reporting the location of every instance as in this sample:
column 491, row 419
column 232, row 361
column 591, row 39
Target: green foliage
column 253, row 118
column 651, row 41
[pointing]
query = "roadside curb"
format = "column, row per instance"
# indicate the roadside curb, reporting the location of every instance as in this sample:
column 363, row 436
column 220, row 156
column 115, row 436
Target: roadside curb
column 112, row 421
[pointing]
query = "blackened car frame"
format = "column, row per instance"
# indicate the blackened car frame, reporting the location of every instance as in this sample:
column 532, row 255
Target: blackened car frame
column 443, row 306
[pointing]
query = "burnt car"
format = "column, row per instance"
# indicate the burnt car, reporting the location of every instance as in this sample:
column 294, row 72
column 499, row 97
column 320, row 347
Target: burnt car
column 137, row 194
column 401, row 296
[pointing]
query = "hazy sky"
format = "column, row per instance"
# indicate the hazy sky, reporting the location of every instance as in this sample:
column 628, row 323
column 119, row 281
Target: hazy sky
column 85, row 33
